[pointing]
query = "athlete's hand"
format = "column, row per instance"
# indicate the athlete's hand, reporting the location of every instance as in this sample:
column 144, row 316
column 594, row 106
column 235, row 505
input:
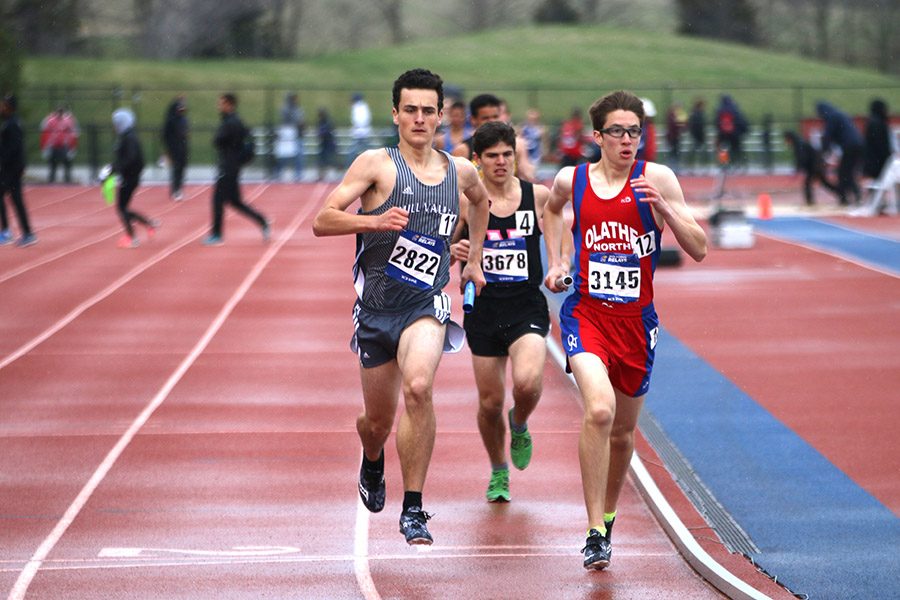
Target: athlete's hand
column 554, row 278
column 394, row 219
column 651, row 194
column 459, row 251
column 472, row 272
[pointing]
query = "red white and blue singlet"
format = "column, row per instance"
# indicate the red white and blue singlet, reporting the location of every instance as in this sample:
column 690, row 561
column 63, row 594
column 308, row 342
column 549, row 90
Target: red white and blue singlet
column 610, row 312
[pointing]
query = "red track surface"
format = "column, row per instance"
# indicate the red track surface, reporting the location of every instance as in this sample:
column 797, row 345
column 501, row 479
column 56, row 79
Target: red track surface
column 773, row 319
column 202, row 403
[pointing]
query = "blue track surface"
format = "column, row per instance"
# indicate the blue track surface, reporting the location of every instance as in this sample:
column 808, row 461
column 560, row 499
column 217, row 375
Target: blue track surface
column 865, row 247
column 818, row 532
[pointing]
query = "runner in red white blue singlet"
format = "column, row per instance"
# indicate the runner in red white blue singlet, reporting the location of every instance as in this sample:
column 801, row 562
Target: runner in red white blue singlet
column 617, row 245
column 608, row 323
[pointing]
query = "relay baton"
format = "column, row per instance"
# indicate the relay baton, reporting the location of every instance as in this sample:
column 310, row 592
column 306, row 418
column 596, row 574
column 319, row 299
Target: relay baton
column 564, row 282
column 469, row 296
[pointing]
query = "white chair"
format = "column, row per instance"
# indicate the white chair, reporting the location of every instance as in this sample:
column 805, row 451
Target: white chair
column 882, row 190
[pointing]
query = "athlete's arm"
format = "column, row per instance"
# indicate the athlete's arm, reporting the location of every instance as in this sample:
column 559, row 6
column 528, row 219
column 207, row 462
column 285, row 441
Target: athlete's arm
column 663, row 192
column 477, row 218
column 541, row 197
column 462, row 150
column 553, row 221
column 524, row 167
column 459, row 245
column 363, row 176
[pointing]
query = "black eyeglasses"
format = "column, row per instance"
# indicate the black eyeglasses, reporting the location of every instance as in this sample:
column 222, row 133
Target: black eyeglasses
column 618, row 131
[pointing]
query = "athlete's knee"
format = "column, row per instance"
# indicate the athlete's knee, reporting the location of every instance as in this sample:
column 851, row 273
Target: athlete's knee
column 490, row 404
column 528, row 389
column 377, row 426
column 621, row 438
column 599, row 415
column 417, row 389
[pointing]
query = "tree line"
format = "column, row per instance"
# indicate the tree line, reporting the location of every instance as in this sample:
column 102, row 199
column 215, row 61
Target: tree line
column 853, row 32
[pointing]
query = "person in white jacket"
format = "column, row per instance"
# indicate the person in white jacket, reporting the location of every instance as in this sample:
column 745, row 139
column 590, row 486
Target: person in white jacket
column 361, row 130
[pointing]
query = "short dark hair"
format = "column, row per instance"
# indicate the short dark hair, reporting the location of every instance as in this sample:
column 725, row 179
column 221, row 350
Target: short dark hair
column 11, row 101
column 482, row 100
column 230, row 98
column 492, row 133
column 419, row 79
column 620, row 100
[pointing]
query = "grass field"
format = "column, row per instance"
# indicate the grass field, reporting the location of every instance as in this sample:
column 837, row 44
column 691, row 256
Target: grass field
column 553, row 68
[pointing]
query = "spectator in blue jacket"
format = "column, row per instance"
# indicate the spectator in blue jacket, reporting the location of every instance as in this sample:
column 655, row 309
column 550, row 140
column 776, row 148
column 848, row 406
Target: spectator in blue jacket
column 731, row 127
column 839, row 131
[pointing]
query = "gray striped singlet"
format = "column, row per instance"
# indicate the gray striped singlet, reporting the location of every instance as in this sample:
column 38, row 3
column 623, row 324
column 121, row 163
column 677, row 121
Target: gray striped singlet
column 433, row 212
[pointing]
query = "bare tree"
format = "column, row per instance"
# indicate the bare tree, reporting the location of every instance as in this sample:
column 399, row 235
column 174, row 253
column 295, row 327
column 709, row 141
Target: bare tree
column 590, row 10
column 392, row 10
column 50, row 26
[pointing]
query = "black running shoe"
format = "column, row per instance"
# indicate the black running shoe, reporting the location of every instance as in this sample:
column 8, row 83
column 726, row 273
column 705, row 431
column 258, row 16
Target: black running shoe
column 609, row 525
column 412, row 525
column 372, row 488
column 596, row 551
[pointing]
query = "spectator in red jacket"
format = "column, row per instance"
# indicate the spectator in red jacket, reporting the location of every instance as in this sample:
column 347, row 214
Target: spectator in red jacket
column 59, row 141
column 570, row 143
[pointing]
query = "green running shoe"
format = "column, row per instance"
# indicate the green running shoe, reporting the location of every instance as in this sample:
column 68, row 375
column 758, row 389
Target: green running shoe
column 519, row 446
column 498, row 488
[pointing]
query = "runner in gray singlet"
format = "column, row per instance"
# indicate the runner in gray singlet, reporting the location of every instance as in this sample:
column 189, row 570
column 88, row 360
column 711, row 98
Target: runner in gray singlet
column 409, row 197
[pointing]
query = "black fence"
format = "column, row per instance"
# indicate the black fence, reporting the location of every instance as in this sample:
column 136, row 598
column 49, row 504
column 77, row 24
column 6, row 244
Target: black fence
column 783, row 107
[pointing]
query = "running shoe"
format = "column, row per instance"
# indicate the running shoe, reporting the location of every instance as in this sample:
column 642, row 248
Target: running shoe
column 152, row 226
column 267, row 231
column 213, row 240
column 126, row 241
column 596, row 551
column 372, row 488
column 498, row 488
column 519, row 446
column 412, row 525
column 29, row 239
column 6, row 237
column 609, row 525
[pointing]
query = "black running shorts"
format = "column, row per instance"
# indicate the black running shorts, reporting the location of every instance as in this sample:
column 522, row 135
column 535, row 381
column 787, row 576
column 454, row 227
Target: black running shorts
column 377, row 333
column 495, row 323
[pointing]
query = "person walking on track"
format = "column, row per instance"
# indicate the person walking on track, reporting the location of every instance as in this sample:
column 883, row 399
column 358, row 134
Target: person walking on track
column 510, row 319
column 409, row 196
column 128, row 163
column 608, row 324
column 231, row 141
column 12, row 168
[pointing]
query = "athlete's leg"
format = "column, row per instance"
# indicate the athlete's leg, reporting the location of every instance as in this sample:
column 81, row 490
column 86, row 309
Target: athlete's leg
column 418, row 355
column 528, row 354
column 490, row 374
column 621, row 445
column 381, row 391
column 599, row 400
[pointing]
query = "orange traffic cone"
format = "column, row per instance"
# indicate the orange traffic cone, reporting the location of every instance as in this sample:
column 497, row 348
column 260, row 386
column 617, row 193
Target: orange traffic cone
column 764, row 202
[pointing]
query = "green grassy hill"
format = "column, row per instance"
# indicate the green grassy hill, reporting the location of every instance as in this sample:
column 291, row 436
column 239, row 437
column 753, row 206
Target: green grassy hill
column 553, row 68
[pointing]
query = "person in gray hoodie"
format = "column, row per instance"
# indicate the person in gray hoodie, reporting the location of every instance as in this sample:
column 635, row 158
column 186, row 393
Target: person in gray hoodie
column 128, row 163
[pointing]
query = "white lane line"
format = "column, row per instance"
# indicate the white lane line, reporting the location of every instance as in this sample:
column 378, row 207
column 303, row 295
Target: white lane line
column 40, row 555
column 104, row 564
column 24, row 268
column 720, row 577
column 361, row 554
column 101, row 295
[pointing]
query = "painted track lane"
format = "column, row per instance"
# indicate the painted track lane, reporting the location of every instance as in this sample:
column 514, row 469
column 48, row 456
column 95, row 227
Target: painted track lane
column 792, row 421
column 242, row 479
